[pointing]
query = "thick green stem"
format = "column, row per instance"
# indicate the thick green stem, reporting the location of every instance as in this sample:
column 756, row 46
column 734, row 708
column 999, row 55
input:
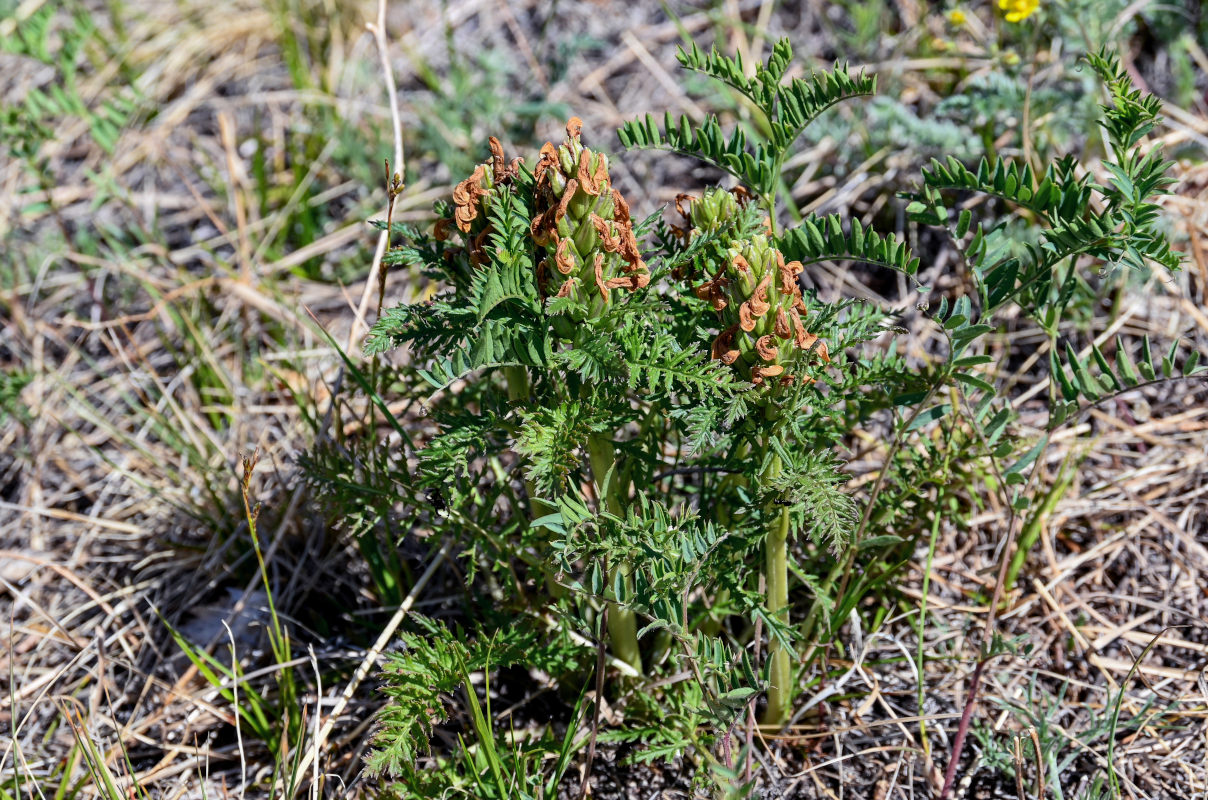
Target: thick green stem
column 776, row 574
column 622, row 625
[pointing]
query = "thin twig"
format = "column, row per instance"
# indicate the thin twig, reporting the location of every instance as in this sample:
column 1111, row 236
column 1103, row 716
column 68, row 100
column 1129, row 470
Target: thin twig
column 378, row 30
column 962, row 729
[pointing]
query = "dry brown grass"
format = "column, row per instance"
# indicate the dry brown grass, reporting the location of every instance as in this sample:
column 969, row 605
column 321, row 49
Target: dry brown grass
column 119, row 493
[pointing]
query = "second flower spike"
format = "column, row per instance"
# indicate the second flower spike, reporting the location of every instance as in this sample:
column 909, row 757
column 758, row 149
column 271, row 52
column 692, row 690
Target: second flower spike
column 756, row 294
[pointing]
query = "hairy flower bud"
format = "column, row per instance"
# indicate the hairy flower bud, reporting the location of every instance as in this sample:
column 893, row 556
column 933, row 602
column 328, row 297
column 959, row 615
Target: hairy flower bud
column 472, row 200
column 583, row 224
column 762, row 312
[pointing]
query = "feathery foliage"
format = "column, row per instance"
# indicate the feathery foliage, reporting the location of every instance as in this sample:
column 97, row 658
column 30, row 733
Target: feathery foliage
column 787, row 109
column 635, row 427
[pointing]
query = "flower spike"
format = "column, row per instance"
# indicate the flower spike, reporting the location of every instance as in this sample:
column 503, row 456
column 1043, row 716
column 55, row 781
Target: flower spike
column 583, row 224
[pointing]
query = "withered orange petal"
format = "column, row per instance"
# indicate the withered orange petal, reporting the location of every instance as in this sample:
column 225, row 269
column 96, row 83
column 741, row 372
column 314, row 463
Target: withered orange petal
column 759, row 300
column 498, row 164
column 599, row 266
column 537, row 229
column 464, row 215
column 799, row 329
column 587, row 180
column 567, row 196
column 766, row 347
column 723, row 345
column 621, row 208
column 683, row 203
column 610, row 242
column 746, row 320
column 783, row 329
column 563, row 259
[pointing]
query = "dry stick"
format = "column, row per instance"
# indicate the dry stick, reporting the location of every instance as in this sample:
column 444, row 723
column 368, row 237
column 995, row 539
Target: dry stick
column 394, row 187
column 378, row 29
column 601, row 660
column 367, row 663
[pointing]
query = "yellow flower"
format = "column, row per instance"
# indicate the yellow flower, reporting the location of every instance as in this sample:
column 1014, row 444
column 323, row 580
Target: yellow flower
column 1018, row 10
column 957, row 17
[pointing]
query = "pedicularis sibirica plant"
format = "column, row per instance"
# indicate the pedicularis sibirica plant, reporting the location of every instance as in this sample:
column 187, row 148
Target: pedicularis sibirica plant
column 639, row 425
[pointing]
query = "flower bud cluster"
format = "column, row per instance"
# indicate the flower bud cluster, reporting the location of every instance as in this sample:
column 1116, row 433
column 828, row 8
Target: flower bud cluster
column 757, row 297
column 583, row 224
column 710, row 213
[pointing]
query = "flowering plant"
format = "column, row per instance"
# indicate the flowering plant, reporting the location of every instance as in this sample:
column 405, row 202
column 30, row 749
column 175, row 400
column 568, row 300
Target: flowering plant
column 629, row 411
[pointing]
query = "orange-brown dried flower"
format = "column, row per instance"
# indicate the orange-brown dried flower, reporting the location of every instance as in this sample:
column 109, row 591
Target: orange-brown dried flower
column 761, row 308
column 472, row 200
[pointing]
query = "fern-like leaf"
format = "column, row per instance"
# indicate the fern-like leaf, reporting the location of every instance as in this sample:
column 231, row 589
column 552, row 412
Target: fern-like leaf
column 707, row 142
column 803, row 100
column 823, row 239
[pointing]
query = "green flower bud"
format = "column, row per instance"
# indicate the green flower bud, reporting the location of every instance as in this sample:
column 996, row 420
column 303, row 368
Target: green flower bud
column 718, row 210
column 713, row 211
column 583, row 224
